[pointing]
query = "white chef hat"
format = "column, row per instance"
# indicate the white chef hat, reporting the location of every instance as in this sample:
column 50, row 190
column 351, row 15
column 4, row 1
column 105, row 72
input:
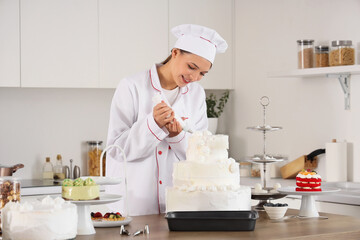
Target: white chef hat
column 202, row 41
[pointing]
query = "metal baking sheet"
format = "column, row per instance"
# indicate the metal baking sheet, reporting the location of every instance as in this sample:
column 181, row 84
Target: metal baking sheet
column 212, row 221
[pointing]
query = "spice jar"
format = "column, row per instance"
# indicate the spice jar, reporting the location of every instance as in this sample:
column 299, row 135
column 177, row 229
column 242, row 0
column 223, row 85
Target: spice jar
column 342, row 53
column 94, row 153
column 305, row 53
column 9, row 191
column 321, row 56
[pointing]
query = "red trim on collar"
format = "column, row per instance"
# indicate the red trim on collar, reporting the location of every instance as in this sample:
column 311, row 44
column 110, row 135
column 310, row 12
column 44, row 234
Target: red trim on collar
column 157, row 182
column 180, row 139
column 152, row 82
column 187, row 90
column 208, row 41
column 152, row 131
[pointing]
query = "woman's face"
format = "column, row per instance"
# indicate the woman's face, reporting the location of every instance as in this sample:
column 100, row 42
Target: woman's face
column 188, row 67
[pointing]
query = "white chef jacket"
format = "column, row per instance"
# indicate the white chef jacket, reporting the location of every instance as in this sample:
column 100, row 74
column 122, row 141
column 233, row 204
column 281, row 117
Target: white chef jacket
column 149, row 151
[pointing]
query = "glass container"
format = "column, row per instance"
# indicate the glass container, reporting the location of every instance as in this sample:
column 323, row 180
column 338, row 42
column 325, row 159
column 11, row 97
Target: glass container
column 255, row 170
column 245, row 169
column 9, row 192
column 305, row 53
column 48, row 170
column 321, row 56
column 94, row 152
column 59, row 173
column 342, row 53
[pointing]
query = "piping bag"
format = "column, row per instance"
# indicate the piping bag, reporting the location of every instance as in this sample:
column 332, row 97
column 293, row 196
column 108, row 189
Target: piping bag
column 185, row 124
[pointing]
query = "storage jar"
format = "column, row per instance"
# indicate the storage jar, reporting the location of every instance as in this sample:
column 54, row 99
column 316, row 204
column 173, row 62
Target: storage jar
column 321, row 56
column 94, row 153
column 305, row 53
column 342, row 53
column 9, row 192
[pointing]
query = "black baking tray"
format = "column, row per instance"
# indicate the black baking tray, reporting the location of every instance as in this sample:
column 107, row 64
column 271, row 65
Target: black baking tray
column 212, row 221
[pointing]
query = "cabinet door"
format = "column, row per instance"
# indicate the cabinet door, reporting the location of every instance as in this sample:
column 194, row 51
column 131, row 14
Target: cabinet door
column 9, row 43
column 59, row 43
column 133, row 35
column 214, row 14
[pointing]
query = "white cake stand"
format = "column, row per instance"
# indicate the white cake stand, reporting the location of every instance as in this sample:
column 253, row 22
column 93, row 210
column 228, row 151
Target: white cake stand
column 308, row 207
column 85, row 225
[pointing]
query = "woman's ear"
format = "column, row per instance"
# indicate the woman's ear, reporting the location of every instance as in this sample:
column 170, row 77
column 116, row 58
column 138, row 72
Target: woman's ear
column 175, row 52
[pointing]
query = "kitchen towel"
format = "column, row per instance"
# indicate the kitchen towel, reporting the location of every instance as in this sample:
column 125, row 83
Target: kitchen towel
column 334, row 168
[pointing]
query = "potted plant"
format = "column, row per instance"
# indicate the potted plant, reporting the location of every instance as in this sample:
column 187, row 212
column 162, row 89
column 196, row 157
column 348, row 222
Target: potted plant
column 214, row 109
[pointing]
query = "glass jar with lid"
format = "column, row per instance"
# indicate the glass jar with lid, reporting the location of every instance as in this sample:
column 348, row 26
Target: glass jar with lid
column 321, row 56
column 305, row 53
column 9, row 192
column 94, row 153
column 342, row 53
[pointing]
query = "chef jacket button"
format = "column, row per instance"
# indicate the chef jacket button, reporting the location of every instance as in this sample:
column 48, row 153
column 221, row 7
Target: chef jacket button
column 169, row 147
column 159, row 152
column 160, row 182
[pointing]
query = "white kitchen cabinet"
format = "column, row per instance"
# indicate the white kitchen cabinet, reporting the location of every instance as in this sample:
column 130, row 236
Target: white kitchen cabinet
column 9, row 43
column 59, row 43
column 215, row 14
column 133, row 35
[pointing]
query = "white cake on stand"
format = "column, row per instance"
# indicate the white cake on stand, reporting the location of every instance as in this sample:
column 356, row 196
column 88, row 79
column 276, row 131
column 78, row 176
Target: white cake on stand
column 208, row 180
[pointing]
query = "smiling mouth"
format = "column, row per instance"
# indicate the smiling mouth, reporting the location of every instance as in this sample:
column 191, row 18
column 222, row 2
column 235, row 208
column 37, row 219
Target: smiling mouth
column 185, row 80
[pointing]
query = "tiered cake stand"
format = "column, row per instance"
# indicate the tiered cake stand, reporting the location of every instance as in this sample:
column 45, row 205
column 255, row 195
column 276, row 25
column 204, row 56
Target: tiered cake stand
column 265, row 160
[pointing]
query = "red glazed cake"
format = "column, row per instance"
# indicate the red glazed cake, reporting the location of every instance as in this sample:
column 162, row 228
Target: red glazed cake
column 308, row 181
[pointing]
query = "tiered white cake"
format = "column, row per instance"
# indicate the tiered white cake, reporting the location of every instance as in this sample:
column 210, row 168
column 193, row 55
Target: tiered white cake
column 208, row 180
column 45, row 220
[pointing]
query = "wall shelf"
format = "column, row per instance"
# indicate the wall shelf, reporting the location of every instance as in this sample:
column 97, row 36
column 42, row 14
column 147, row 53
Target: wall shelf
column 342, row 73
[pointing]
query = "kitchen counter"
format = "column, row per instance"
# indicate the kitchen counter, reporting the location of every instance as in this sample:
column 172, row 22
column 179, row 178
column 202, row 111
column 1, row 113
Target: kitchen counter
column 349, row 191
column 349, row 194
column 336, row 227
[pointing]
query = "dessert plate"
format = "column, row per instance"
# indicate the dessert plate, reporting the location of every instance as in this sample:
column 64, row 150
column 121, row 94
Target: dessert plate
column 104, row 224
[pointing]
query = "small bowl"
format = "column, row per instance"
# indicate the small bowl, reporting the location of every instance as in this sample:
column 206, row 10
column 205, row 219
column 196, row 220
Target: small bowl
column 276, row 212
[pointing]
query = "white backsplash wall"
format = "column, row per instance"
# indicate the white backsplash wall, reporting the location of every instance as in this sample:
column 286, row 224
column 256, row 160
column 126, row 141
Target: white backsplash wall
column 311, row 110
column 36, row 123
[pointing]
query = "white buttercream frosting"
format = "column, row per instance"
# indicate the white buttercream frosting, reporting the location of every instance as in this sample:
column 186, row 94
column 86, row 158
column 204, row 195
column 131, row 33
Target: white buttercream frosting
column 208, row 179
column 41, row 220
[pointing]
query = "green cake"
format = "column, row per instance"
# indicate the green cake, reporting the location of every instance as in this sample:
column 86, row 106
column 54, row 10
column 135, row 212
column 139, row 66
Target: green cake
column 80, row 190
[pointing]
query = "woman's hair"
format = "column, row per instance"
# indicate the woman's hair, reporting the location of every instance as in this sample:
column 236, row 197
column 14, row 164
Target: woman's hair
column 169, row 57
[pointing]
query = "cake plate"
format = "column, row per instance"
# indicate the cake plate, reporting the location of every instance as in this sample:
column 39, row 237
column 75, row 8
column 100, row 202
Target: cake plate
column 308, row 207
column 85, row 225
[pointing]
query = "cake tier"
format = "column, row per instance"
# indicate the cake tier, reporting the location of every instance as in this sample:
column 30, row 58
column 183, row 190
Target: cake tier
column 212, row 141
column 40, row 221
column 313, row 180
column 207, row 155
column 77, row 193
column 308, row 184
column 204, row 147
column 206, row 174
column 237, row 200
column 306, row 189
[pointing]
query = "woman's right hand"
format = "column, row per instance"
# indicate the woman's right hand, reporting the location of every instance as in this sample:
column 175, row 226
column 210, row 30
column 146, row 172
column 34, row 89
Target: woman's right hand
column 163, row 114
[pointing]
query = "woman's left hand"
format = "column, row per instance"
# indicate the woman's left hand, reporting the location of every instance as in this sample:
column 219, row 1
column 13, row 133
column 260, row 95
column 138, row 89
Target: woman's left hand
column 174, row 128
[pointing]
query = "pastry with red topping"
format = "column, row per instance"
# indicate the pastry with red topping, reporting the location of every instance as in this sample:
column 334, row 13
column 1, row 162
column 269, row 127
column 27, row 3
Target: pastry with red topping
column 308, row 181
